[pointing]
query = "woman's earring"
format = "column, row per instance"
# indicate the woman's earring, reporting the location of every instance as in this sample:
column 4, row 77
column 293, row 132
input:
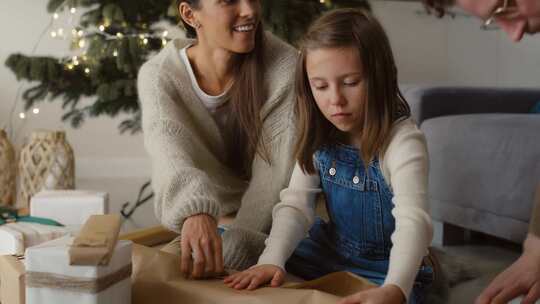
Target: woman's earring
column 197, row 25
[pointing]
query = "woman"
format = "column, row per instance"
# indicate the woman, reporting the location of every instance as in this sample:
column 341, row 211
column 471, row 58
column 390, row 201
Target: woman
column 217, row 122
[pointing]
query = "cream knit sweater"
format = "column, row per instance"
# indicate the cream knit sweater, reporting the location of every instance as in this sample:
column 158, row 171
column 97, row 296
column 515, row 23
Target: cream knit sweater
column 187, row 152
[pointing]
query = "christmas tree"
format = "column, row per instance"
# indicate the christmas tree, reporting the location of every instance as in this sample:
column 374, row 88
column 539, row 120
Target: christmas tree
column 113, row 39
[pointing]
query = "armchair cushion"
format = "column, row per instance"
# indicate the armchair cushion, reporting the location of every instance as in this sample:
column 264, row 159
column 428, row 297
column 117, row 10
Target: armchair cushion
column 484, row 169
column 430, row 102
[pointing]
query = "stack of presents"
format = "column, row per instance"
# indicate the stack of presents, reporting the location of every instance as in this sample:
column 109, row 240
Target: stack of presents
column 67, row 249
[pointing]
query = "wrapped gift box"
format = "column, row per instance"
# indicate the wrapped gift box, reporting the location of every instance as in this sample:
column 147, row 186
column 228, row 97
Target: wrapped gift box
column 16, row 237
column 50, row 278
column 12, row 286
column 69, row 207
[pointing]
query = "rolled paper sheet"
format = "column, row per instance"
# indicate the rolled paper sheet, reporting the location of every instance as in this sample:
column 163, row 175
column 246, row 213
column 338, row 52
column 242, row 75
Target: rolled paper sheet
column 12, row 278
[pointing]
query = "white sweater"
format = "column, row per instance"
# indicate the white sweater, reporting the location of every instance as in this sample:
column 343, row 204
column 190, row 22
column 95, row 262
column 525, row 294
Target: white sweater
column 187, row 151
column 404, row 164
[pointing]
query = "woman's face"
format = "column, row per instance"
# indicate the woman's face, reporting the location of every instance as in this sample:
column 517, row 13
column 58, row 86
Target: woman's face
column 336, row 79
column 228, row 24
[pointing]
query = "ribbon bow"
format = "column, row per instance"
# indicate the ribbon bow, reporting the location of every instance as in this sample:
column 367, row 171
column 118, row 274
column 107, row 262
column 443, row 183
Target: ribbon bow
column 11, row 216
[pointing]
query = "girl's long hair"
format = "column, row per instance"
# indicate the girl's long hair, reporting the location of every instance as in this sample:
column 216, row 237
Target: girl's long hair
column 384, row 103
column 244, row 124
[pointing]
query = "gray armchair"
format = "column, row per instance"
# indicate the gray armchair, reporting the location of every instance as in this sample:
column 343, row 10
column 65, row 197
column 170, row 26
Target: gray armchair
column 484, row 150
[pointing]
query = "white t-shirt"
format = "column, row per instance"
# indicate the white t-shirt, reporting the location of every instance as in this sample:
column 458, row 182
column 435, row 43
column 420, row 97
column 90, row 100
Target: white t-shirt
column 216, row 105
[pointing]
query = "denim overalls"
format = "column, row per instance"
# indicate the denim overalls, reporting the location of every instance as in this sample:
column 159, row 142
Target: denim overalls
column 357, row 236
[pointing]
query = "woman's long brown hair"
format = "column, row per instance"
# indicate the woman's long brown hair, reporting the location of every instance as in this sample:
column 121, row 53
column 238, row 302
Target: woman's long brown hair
column 384, row 102
column 247, row 95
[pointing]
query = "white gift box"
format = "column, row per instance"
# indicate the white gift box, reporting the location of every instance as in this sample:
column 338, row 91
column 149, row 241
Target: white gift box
column 16, row 237
column 69, row 207
column 50, row 278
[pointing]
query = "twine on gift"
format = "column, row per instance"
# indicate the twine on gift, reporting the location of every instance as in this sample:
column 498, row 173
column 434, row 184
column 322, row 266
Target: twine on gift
column 81, row 285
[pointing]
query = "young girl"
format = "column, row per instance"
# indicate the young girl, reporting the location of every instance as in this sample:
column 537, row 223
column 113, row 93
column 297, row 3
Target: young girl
column 359, row 147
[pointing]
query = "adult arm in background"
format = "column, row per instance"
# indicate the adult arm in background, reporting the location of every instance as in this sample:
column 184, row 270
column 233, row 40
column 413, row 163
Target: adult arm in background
column 186, row 199
column 522, row 278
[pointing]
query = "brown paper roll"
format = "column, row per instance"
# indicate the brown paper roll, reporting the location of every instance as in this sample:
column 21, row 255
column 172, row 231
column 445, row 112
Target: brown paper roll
column 12, row 280
column 157, row 278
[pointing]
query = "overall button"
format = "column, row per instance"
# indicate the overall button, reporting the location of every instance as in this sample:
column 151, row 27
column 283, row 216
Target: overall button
column 356, row 180
column 332, row 171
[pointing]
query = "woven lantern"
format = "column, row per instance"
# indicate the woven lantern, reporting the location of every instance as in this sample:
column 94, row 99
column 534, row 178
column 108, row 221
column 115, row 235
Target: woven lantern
column 46, row 163
column 7, row 171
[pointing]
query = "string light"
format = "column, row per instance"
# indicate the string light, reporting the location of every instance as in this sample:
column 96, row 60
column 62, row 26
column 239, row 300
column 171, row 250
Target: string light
column 101, row 31
column 77, row 34
column 78, row 39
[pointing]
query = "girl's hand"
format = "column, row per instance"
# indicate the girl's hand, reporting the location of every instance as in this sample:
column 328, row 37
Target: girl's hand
column 387, row 294
column 255, row 277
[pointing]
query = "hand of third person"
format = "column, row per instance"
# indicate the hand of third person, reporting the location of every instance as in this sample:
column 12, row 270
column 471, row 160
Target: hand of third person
column 522, row 278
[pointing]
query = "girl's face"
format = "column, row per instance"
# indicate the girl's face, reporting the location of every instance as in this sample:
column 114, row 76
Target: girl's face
column 228, row 24
column 337, row 82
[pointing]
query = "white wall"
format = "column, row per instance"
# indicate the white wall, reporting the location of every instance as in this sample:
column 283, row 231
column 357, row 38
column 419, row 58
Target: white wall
column 428, row 50
column 99, row 148
column 455, row 51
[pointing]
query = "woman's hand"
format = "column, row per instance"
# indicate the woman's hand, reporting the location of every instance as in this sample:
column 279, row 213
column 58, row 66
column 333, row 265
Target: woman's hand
column 255, row 277
column 387, row 294
column 202, row 254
